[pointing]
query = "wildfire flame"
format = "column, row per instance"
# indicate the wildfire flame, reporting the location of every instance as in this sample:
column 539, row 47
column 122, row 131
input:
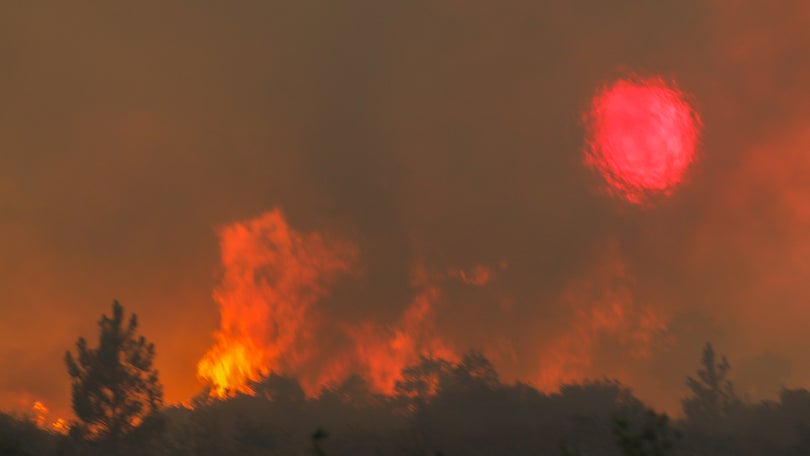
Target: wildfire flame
column 274, row 279
column 273, row 275
column 384, row 352
column 603, row 305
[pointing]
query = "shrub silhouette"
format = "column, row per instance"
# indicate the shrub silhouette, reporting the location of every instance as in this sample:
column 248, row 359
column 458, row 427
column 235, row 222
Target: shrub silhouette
column 651, row 435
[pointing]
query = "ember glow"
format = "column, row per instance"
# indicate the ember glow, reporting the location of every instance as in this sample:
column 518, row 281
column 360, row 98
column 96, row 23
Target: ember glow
column 43, row 419
column 642, row 137
column 40, row 413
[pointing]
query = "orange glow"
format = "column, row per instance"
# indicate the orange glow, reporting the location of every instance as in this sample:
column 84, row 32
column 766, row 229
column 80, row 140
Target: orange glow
column 384, row 352
column 603, row 306
column 60, row 426
column 40, row 413
column 41, row 418
column 272, row 277
column 479, row 276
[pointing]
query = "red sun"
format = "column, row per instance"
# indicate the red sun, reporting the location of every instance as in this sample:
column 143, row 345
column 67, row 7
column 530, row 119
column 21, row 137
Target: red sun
column 642, row 135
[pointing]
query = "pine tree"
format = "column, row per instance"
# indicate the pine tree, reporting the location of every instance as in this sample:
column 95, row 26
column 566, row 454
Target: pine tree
column 114, row 386
column 713, row 393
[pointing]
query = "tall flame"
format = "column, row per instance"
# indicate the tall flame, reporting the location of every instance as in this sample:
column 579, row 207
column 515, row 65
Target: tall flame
column 272, row 277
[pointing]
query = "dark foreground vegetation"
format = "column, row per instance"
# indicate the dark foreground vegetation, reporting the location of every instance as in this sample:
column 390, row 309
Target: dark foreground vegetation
column 440, row 408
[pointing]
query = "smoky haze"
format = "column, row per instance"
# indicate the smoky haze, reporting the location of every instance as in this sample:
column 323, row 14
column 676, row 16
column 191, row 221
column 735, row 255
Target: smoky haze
column 443, row 136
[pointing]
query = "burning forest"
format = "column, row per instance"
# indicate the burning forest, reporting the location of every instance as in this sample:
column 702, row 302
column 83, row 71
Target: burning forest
column 404, row 228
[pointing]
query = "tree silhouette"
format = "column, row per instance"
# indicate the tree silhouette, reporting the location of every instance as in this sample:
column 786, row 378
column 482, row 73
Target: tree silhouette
column 422, row 380
column 285, row 391
column 474, row 372
column 713, row 393
column 114, row 386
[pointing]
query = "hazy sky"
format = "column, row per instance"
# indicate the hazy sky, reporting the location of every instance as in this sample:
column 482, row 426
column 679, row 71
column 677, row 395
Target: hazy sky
column 443, row 135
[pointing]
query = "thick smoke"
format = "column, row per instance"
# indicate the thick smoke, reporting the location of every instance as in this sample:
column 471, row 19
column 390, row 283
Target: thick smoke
column 441, row 137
